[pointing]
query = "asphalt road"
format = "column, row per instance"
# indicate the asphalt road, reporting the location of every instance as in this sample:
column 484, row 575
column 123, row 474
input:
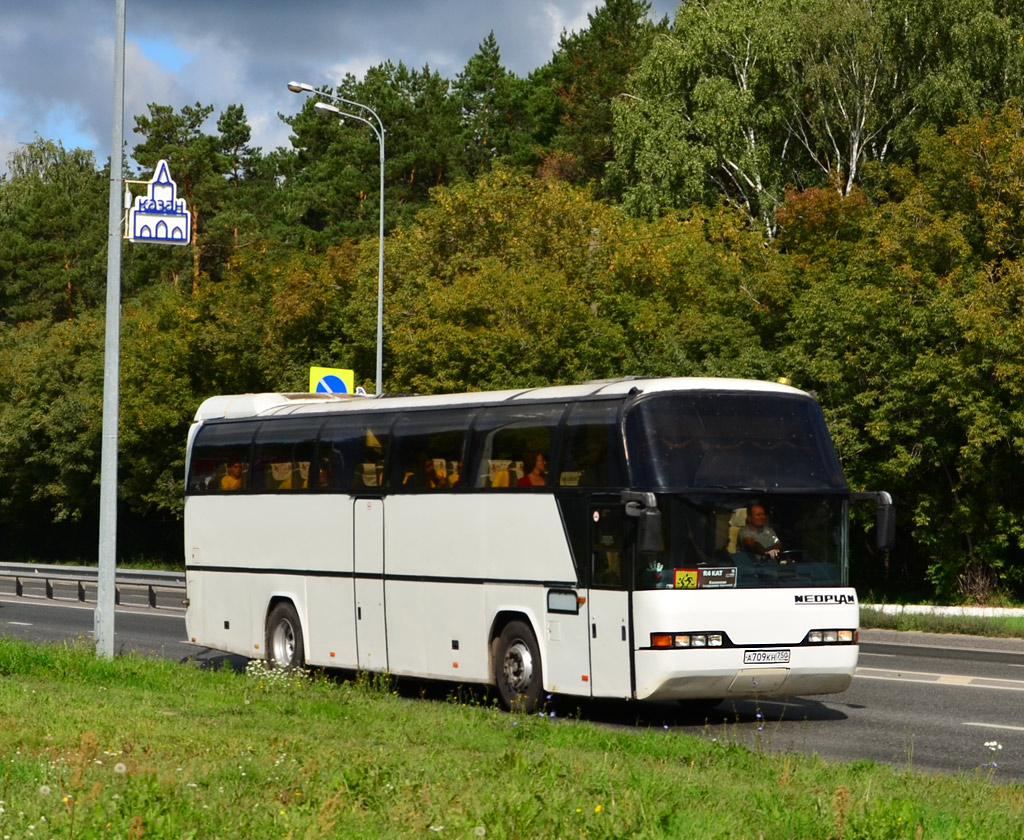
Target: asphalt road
column 926, row 702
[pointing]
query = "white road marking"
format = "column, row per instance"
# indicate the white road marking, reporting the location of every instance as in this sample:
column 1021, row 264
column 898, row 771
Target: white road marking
column 19, row 623
column 993, row 726
column 940, row 679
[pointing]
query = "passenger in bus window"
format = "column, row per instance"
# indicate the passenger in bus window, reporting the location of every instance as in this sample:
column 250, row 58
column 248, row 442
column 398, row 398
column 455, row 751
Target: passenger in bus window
column 535, row 470
column 757, row 535
column 232, row 479
column 427, row 477
column 323, row 475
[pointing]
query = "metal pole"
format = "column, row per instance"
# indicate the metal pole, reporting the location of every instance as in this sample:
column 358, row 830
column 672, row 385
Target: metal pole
column 377, row 126
column 103, row 627
column 380, row 273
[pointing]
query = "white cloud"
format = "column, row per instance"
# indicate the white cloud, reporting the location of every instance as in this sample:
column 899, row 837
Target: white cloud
column 56, row 56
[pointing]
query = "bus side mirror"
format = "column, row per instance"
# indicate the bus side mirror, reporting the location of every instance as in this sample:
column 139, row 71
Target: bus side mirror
column 885, row 526
column 645, row 507
column 649, row 538
column 885, row 517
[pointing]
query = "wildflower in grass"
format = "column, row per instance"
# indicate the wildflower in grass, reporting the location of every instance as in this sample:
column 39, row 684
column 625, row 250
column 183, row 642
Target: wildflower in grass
column 598, row 809
column 480, row 831
column 44, row 790
column 993, row 746
column 120, row 768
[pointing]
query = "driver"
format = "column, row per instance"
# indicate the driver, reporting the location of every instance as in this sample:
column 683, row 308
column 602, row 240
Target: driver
column 757, row 536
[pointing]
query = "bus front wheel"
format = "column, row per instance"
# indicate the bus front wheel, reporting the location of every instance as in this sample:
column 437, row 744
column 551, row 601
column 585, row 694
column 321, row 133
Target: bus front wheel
column 517, row 668
column 284, row 637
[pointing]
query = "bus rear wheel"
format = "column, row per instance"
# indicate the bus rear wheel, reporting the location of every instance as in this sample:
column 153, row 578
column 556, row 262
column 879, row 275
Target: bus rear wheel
column 284, row 637
column 517, row 669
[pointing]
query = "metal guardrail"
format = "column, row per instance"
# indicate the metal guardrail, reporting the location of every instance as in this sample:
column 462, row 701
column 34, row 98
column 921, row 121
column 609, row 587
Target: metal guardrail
column 160, row 590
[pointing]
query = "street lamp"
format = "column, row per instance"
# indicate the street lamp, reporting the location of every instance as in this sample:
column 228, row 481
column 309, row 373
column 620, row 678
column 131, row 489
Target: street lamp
column 368, row 116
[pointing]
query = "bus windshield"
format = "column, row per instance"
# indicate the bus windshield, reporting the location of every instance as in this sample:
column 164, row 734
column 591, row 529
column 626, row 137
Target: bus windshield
column 705, row 439
column 746, row 542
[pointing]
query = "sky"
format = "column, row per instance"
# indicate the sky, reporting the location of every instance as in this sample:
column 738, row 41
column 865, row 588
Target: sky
column 57, row 56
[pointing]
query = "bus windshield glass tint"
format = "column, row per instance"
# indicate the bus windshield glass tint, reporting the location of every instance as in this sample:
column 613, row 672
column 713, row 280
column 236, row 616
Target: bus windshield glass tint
column 731, row 440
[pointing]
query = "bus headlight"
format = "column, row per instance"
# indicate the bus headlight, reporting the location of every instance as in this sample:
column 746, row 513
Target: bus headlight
column 843, row 637
column 686, row 640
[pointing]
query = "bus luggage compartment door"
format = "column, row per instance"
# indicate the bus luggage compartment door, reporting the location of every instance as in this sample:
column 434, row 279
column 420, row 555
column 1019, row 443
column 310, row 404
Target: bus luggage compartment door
column 368, row 547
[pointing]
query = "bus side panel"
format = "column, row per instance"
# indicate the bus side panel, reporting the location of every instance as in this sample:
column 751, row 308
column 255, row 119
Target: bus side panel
column 330, row 622
column 218, row 611
column 608, row 612
column 753, row 619
column 368, row 517
column 567, row 662
column 259, row 547
column 452, row 562
column 218, row 614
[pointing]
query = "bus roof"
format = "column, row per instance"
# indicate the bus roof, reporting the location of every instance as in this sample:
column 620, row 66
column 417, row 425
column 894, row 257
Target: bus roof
column 263, row 405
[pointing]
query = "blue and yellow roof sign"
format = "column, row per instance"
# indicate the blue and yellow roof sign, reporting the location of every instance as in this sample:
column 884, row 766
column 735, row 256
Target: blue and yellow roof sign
column 323, row 380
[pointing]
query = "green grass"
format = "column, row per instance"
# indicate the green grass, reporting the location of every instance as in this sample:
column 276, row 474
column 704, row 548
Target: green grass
column 996, row 626
column 135, row 748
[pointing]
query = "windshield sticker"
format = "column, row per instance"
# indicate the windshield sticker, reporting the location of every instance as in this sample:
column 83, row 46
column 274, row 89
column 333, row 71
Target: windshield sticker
column 723, row 577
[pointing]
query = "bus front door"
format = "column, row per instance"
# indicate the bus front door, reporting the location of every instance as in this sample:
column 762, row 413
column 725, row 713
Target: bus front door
column 611, row 565
column 368, row 546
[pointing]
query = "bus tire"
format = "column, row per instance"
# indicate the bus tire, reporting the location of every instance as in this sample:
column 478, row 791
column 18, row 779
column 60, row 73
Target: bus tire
column 284, row 637
column 517, row 669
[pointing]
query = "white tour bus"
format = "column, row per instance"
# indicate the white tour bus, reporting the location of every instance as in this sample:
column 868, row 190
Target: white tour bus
column 588, row 540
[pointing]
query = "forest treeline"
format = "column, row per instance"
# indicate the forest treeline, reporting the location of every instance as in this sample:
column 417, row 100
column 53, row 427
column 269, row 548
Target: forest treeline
column 828, row 190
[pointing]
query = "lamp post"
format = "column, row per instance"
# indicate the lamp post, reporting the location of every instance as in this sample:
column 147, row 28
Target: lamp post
column 377, row 127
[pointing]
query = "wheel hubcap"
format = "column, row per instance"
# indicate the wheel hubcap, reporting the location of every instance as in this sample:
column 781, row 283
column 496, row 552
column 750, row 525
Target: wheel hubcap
column 518, row 666
column 283, row 643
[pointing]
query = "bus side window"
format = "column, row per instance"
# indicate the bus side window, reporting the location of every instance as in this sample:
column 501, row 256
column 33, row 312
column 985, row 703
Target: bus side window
column 281, row 446
column 427, row 451
column 608, row 556
column 591, row 449
column 216, row 447
column 504, row 435
column 351, row 453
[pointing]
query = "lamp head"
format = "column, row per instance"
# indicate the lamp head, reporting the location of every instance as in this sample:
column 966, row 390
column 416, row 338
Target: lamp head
column 300, row 87
column 327, row 108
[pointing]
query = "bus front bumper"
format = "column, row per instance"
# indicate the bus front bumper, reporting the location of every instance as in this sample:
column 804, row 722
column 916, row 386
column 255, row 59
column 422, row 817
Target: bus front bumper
column 705, row 673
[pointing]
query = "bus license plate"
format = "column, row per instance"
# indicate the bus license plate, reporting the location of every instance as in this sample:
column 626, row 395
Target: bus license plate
column 765, row 657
